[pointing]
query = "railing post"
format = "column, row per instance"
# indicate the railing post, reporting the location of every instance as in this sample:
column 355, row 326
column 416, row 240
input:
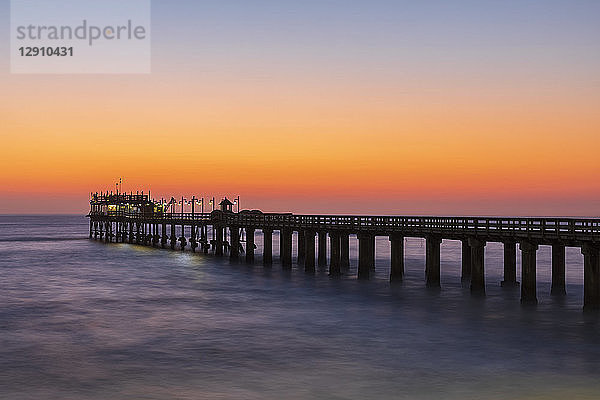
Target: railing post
column 543, row 227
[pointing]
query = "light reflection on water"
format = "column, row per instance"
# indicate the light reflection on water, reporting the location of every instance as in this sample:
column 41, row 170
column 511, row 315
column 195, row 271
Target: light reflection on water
column 85, row 320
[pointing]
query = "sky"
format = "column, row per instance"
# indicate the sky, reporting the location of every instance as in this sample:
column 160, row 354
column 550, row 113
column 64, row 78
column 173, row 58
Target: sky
column 370, row 107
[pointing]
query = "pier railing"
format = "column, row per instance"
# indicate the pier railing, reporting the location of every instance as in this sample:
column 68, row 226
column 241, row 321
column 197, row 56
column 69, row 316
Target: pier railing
column 579, row 229
column 542, row 228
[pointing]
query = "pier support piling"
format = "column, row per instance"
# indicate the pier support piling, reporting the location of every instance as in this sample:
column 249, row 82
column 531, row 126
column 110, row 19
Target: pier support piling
column 344, row 250
column 164, row 237
column 366, row 255
column 173, row 237
column 558, row 270
column 193, row 239
column 286, row 248
column 219, row 240
column 432, row 261
column 250, row 245
column 107, row 229
column 322, row 259
column 309, row 251
column 528, row 272
column 182, row 239
column 397, row 258
column 234, row 251
column 301, row 244
column 477, row 266
column 466, row 261
column 334, row 263
column 510, row 265
column 591, row 278
column 145, row 229
column 268, row 247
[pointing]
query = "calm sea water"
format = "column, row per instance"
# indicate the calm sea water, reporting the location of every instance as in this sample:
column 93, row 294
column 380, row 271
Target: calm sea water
column 84, row 320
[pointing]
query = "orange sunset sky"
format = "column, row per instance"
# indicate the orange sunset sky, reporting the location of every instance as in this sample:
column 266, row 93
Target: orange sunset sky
column 361, row 110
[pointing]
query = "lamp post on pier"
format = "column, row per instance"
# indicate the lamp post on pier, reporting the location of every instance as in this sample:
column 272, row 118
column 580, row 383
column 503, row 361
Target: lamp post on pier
column 193, row 204
column 183, row 201
column 199, row 202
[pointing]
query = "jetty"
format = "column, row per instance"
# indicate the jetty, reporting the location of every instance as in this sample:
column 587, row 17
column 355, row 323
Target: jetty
column 323, row 240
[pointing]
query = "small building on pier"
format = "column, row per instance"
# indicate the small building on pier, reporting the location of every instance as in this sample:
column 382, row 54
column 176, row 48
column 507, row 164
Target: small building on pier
column 124, row 204
column 226, row 205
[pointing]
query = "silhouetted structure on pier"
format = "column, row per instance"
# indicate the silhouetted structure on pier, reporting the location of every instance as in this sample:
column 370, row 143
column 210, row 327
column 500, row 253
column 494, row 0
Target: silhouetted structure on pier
column 138, row 219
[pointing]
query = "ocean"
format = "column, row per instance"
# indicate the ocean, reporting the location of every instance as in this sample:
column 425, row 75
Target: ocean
column 81, row 319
